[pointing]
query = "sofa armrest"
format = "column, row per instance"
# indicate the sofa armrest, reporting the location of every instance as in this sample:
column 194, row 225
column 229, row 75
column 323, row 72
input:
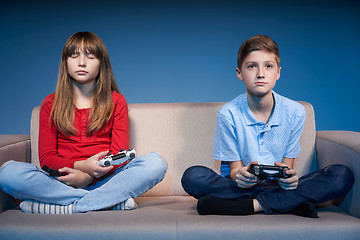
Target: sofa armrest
column 342, row 147
column 13, row 147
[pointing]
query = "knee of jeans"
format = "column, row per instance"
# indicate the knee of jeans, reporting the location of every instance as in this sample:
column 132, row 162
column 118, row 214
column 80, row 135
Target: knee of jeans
column 8, row 171
column 155, row 163
column 343, row 175
column 12, row 173
column 193, row 176
column 160, row 160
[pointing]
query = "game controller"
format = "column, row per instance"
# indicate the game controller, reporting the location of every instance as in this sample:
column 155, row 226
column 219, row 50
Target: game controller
column 269, row 171
column 121, row 158
column 52, row 172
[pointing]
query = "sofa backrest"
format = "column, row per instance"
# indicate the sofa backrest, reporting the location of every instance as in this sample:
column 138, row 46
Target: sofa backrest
column 183, row 133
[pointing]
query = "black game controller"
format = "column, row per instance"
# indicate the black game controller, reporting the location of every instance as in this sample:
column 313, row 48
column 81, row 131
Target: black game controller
column 52, row 172
column 269, row 171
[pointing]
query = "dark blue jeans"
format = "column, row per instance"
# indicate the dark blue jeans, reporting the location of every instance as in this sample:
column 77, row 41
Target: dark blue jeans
column 318, row 187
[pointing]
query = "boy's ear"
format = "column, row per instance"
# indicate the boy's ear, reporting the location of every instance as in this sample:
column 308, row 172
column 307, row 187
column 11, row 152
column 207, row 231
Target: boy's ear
column 279, row 70
column 238, row 74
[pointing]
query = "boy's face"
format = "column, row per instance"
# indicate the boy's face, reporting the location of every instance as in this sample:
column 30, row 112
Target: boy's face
column 259, row 71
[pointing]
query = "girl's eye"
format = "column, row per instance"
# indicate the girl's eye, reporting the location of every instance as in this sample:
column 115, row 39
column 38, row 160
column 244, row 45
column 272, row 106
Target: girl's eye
column 74, row 55
column 91, row 56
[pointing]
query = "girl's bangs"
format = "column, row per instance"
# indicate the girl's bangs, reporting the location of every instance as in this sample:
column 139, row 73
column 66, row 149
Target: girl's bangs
column 86, row 44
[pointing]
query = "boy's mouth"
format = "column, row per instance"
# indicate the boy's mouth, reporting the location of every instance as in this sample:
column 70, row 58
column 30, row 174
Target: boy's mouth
column 260, row 83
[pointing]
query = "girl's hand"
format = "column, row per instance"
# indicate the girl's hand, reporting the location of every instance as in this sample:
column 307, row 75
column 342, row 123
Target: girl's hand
column 90, row 166
column 245, row 179
column 75, row 178
column 290, row 183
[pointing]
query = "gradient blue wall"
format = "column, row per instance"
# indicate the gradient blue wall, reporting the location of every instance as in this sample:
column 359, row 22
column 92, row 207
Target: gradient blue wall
column 185, row 52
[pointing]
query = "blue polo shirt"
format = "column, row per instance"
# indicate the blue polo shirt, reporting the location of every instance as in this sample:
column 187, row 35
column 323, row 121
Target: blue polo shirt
column 240, row 136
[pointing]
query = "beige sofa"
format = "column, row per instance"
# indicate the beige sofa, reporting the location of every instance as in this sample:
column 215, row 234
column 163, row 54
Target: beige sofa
column 183, row 134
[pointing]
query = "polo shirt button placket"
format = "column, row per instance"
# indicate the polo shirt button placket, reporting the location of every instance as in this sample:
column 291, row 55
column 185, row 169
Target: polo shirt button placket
column 261, row 141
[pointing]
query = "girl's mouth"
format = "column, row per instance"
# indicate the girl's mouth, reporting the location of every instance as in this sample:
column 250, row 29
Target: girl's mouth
column 81, row 72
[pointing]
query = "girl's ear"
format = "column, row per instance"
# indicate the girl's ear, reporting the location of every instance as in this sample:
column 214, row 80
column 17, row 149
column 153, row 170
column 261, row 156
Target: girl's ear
column 238, row 74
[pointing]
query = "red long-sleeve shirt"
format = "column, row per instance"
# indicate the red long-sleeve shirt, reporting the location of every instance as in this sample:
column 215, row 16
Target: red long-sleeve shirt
column 57, row 150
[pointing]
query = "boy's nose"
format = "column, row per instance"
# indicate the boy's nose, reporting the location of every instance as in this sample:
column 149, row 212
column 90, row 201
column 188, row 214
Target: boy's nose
column 260, row 73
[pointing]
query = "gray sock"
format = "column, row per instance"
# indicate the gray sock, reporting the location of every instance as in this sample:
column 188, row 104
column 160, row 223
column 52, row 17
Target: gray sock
column 32, row 206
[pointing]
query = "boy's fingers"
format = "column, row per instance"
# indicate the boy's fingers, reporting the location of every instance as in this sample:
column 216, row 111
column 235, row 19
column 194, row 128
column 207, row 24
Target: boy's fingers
column 278, row 164
column 245, row 175
column 243, row 184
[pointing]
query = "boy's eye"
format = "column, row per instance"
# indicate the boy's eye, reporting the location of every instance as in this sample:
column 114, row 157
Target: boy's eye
column 269, row 66
column 252, row 66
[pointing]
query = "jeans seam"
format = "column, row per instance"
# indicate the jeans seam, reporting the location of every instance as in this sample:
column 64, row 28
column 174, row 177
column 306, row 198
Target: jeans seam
column 263, row 205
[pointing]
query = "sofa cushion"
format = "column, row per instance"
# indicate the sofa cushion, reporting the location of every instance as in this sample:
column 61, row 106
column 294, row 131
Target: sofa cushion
column 175, row 217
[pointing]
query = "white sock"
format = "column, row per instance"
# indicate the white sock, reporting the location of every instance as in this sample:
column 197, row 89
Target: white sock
column 32, row 206
column 129, row 204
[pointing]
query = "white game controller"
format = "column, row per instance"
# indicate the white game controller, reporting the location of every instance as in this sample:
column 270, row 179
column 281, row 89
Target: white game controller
column 121, row 158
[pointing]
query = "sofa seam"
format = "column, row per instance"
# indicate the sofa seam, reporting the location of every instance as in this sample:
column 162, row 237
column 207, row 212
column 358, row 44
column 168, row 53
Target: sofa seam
column 15, row 143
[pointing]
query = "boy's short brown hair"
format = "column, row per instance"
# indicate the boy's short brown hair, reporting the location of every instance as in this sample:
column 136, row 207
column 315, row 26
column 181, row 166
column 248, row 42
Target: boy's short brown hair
column 256, row 43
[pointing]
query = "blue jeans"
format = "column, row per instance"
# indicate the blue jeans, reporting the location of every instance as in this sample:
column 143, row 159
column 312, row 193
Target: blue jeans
column 323, row 185
column 25, row 181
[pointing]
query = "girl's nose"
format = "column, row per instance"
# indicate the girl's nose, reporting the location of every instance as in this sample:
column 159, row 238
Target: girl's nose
column 82, row 60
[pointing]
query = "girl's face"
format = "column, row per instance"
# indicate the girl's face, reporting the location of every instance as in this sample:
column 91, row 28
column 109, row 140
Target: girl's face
column 83, row 67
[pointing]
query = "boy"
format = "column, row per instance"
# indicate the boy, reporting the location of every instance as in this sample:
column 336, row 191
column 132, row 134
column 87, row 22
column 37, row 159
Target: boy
column 261, row 127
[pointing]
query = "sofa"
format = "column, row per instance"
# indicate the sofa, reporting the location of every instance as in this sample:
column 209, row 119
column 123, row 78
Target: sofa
column 183, row 134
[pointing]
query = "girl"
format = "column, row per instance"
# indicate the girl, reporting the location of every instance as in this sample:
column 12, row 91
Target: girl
column 82, row 121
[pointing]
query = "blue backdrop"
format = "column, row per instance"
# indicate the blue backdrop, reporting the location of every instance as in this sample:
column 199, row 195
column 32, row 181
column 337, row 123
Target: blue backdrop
column 185, row 52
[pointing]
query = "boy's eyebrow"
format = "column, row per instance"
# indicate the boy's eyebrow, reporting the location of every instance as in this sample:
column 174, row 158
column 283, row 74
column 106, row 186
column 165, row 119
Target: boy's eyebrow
column 249, row 61
column 267, row 61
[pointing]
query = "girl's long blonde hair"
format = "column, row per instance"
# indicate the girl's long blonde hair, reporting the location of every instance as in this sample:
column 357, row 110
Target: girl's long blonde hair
column 63, row 109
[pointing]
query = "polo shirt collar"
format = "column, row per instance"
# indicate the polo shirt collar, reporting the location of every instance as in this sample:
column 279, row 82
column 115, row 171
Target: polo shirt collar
column 250, row 119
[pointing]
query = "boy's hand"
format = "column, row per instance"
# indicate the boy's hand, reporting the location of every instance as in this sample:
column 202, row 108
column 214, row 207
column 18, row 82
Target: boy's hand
column 90, row 166
column 290, row 183
column 245, row 179
column 75, row 178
